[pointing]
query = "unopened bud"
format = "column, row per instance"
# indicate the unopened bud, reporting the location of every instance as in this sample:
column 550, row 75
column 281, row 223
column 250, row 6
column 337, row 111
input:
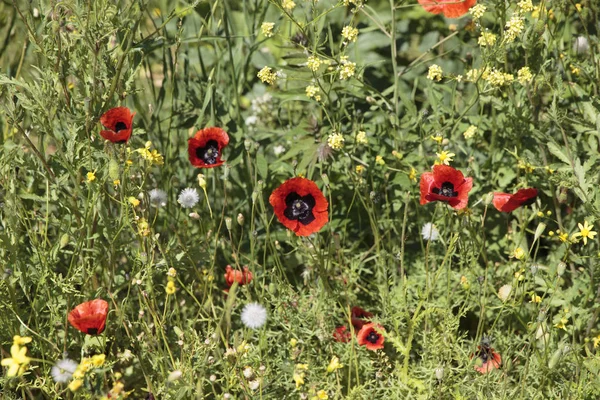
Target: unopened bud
column 240, row 219
column 228, row 223
column 560, row 269
column 194, row 215
column 439, row 373
column 201, row 181
column 325, row 179
column 247, row 144
column 539, row 230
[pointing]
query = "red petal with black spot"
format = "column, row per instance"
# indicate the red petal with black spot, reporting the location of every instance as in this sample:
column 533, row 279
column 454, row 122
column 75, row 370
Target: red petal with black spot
column 506, row 202
column 371, row 336
column 341, row 334
column 205, row 148
column 119, row 122
column 357, row 316
column 445, row 184
column 490, row 360
column 89, row 317
column 241, row 277
column 450, row 8
column 300, row 206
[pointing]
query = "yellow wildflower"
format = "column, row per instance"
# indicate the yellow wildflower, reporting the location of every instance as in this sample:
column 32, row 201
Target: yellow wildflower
column 519, row 253
column 361, row 137
column 596, row 341
column 321, row 395
column 350, row 33
column 575, row 70
column 412, row 174
column 75, row 384
column 288, row 5
column 347, row 69
column 334, row 365
column 116, row 182
column 91, row 176
column 464, row 282
column 266, row 75
column 170, row 289
column 434, row 73
column 335, row 141
column 98, row 360
column 525, row 5
column 21, row 340
column 514, row 27
column 477, row 11
column 298, row 378
column 470, row 132
column 562, row 324
column 313, row 92
column 445, row 157
column 267, row 28
column 18, row 361
column 379, row 160
column 585, row 232
column 498, row 78
column 360, row 169
column 535, row 299
column 313, row 63
column 487, row 39
column 172, row 272
column 134, row 202
column 438, row 139
column 397, row 155
column 524, row 76
column 293, row 342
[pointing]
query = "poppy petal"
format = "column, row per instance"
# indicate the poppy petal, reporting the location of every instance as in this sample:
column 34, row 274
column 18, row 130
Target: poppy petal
column 119, row 124
column 425, row 185
column 89, row 317
column 506, row 202
column 371, row 336
column 450, row 8
column 205, row 148
column 313, row 214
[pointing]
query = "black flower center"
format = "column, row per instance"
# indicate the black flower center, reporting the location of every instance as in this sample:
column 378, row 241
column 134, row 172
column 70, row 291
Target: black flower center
column 299, row 208
column 447, row 190
column 528, row 202
column 92, row 331
column 209, row 153
column 372, row 337
column 120, row 126
column 484, row 354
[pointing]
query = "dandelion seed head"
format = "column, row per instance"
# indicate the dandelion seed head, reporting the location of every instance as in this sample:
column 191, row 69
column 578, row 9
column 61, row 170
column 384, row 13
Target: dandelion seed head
column 188, row 198
column 430, row 232
column 63, row 370
column 254, row 315
column 158, row 197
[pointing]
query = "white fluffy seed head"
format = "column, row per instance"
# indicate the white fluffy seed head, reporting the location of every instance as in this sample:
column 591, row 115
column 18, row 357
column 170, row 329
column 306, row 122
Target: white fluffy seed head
column 63, row 370
column 158, row 197
column 430, row 232
column 254, row 315
column 188, row 198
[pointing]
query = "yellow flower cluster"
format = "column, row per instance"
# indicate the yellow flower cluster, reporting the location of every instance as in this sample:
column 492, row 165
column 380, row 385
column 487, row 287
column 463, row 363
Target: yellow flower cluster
column 477, row 11
column 153, row 156
column 313, row 92
column 361, row 137
column 487, row 39
column 347, row 69
column 524, row 76
column 18, row 361
column 335, row 141
column 525, row 5
column 288, row 5
column 470, row 132
column 514, row 27
column 86, row 364
column 267, row 28
column 350, row 33
column 313, row 63
column 498, row 78
column 267, row 75
column 434, row 73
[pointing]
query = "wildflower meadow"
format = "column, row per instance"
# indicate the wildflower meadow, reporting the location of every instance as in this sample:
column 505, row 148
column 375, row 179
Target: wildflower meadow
column 299, row 199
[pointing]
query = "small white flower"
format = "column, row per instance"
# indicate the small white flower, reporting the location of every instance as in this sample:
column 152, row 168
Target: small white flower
column 254, row 315
column 173, row 376
column 248, row 373
column 278, row 150
column 158, row 197
column 430, row 232
column 188, row 198
column 581, row 45
column 251, row 120
column 63, row 370
column 254, row 385
column 504, row 292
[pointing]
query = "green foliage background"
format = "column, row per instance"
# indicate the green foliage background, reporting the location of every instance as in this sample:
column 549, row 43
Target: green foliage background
column 182, row 67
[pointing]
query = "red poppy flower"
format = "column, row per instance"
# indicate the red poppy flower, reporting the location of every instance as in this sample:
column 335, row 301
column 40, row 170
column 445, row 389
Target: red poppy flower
column 341, row 334
column 356, row 317
column 89, row 317
column 204, row 149
column 371, row 335
column 241, row 277
column 300, row 206
column 489, row 359
column 450, row 8
column 445, row 184
column 507, row 202
column 119, row 122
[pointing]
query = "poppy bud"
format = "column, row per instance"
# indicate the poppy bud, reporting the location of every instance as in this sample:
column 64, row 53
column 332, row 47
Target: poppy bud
column 487, row 200
column 201, row 181
column 539, row 230
column 228, row 223
column 560, row 269
column 325, row 179
column 254, row 196
column 439, row 373
column 64, row 240
column 247, row 144
column 194, row 215
column 555, row 358
column 240, row 219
